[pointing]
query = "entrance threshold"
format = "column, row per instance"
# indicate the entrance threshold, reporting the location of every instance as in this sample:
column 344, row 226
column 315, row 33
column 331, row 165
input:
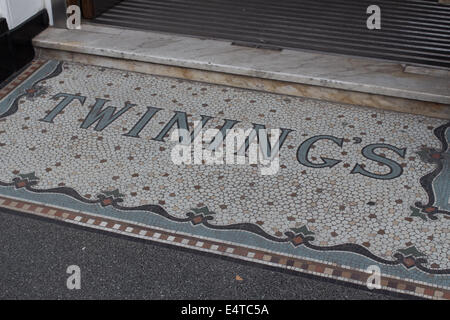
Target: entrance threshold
column 339, row 78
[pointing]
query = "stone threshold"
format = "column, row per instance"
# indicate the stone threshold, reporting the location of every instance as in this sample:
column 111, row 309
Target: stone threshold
column 350, row 80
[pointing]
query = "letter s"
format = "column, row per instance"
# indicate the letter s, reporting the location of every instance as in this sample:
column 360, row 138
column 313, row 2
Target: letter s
column 395, row 169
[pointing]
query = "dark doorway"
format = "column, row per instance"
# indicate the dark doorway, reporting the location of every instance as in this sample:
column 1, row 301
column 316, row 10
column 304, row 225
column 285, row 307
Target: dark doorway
column 415, row 32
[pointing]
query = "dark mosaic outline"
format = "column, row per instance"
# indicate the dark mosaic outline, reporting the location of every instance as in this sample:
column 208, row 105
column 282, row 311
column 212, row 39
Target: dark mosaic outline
column 426, row 181
column 408, row 257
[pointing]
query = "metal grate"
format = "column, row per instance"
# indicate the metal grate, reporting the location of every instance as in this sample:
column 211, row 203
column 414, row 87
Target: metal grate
column 416, row 32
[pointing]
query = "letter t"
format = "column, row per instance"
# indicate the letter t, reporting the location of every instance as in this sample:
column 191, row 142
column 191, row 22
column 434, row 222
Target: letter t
column 68, row 98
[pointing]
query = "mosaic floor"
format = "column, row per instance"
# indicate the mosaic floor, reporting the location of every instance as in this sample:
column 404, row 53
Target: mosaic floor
column 354, row 187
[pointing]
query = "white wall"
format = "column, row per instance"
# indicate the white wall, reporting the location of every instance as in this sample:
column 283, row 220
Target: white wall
column 18, row 11
column 48, row 6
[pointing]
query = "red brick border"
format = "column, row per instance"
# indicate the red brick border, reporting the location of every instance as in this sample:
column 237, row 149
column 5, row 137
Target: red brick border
column 34, row 66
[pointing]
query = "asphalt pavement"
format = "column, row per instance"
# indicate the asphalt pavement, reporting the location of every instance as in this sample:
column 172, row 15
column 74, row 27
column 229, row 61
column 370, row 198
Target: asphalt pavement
column 35, row 254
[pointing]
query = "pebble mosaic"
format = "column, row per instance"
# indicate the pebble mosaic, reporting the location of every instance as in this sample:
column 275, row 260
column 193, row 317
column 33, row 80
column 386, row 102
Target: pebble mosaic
column 355, row 186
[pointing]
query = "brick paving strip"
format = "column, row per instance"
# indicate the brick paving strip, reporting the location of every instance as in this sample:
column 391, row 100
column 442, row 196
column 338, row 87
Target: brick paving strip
column 356, row 187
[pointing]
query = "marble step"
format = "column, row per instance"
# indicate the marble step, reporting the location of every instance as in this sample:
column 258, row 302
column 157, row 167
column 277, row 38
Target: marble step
column 351, row 80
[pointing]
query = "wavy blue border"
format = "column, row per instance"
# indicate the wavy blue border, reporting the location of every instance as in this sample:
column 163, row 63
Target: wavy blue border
column 241, row 237
column 43, row 72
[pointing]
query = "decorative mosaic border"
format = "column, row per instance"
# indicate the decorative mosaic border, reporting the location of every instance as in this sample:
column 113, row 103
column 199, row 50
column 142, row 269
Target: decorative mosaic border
column 33, row 67
column 408, row 257
column 330, row 271
column 301, row 236
column 436, row 157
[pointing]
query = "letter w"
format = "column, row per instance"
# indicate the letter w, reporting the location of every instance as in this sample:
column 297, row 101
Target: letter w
column 104, row 116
